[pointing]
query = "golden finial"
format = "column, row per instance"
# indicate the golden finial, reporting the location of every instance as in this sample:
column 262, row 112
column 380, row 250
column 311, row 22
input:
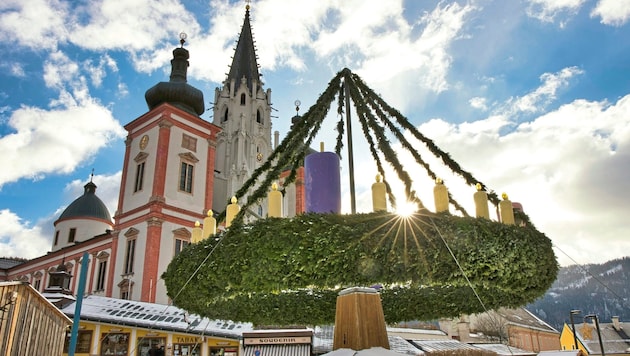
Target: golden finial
column 378, row 177
column 479, row 187
column 209, row 212
column 274, row 186
column 439, row 180
column 234, row 200
column 504, row 196
column 197, row 223
column 247, row 6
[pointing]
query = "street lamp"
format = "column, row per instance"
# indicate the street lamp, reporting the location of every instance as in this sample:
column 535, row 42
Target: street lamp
column 571, row 313
column 599, row 334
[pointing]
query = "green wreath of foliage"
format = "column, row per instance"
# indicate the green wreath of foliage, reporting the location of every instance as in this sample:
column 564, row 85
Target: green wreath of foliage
column 289, row 271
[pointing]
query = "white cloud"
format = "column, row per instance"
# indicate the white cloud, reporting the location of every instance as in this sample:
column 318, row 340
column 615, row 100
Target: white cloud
column 566, row 167
column 537, row 100
column 478, row 103
column 612, row 12
column 19, row 238
column 550, row 10
column 38, row 24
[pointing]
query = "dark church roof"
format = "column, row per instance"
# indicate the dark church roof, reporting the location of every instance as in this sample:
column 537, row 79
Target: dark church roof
column 87, row 206
column 176, row 91
column 244, row 63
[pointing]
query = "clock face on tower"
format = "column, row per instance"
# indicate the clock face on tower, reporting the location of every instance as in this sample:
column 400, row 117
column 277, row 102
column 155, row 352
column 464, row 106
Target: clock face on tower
column 144, row 141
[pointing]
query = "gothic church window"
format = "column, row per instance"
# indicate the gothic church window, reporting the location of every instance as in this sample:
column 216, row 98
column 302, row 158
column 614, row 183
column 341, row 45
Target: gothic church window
column 258, row 117
column 243, row 99
column 225, row 115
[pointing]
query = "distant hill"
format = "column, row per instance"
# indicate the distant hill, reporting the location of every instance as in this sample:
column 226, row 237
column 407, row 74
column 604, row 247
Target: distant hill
column 601, row 289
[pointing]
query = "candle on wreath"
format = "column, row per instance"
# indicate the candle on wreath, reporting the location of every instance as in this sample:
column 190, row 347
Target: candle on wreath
column 440, row 195
column 507, row 212
column 231, row 211
column 196, row 233
column 209, row 225
column 379, row 194
column 274, row 202
column 481, row 202
column 322, row 186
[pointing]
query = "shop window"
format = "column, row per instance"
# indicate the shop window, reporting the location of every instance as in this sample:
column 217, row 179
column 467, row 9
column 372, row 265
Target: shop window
column 145, row 344
column 114, row 344
column 84, row 340
column 224, row 351
column 187, row 349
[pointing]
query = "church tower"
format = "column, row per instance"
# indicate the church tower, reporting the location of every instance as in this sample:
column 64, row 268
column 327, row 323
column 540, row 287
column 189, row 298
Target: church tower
column 242, row 109
column 167, row 185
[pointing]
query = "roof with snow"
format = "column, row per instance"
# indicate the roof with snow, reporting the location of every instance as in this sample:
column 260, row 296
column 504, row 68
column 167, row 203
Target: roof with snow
column 154, row 316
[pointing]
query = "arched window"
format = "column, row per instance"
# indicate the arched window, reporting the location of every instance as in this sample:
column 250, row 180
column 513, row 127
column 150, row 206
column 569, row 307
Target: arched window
column 258, row 117
column 243, row 99
column 225, row 115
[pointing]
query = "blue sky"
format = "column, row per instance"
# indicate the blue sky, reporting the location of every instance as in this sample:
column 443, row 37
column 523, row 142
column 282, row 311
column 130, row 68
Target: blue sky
column 532, row 96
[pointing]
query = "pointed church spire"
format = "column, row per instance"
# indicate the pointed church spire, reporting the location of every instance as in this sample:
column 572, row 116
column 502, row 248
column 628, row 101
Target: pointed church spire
column 244, row 63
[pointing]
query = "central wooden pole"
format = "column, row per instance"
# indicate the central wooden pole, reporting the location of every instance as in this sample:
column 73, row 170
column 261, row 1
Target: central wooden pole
column 353, row 203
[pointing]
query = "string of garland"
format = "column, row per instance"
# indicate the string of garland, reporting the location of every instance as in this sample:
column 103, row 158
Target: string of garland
column 290, row 150
column 445, row 157
column 289, row 271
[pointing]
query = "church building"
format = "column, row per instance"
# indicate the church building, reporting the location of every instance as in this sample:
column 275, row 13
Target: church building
column 178, row 168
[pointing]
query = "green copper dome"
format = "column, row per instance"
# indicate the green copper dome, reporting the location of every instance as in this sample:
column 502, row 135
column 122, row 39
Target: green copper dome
column 87, row 206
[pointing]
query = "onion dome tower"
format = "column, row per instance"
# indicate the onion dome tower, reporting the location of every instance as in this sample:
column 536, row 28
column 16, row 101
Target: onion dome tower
column 177, row 91
column 86, row 217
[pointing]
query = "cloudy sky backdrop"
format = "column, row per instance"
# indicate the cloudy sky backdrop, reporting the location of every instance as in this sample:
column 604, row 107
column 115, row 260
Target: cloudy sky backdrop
column 532, row 96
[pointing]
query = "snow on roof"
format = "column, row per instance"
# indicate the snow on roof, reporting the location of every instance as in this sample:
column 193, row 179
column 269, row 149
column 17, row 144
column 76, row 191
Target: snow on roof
column 154, row 316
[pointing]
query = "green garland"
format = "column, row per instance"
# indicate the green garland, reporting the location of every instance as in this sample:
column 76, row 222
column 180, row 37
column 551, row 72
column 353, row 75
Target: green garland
column 289, row 271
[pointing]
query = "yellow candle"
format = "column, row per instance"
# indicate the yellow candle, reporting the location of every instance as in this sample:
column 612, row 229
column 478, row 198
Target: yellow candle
column 274, row 202
column 440, row 195
column 481, row 203
column 209, row 225
column 196, row 233
column 231, row 211
column 379, row 195
column 507, row 212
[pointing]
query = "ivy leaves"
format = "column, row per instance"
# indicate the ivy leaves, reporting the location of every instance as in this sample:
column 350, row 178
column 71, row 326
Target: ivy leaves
column 289, row 271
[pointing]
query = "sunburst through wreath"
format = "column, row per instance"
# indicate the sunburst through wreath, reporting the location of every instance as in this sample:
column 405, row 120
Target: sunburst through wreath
column 286, row 271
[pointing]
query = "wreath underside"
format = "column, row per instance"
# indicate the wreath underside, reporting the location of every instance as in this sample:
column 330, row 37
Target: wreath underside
column 289, row 271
